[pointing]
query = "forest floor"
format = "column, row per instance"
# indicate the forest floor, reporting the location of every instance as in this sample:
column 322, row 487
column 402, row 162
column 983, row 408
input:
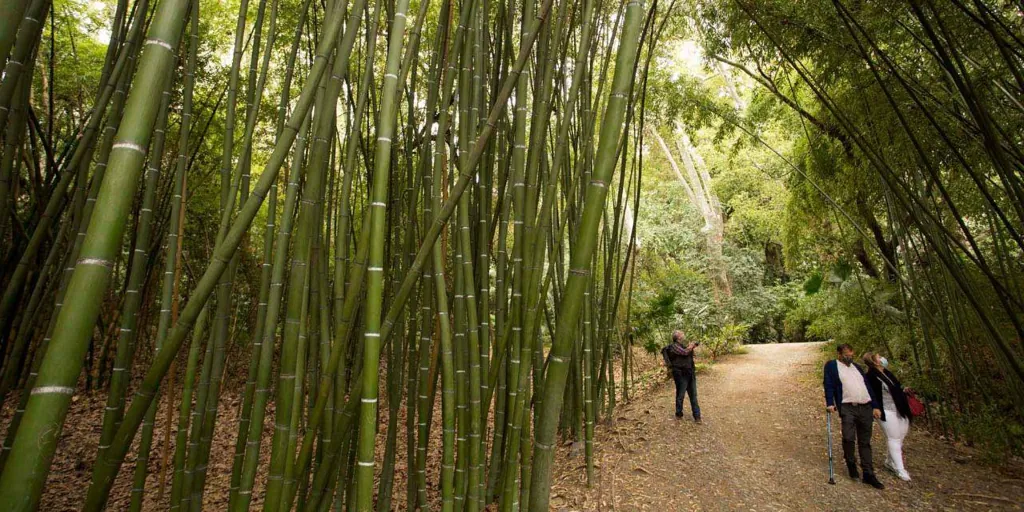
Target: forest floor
column 762, row 446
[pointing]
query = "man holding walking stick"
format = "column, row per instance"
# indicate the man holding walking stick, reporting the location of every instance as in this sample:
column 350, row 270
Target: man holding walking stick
column 847, row 393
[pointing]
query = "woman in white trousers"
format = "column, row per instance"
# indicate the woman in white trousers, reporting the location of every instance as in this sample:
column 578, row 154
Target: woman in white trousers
column 895, row 417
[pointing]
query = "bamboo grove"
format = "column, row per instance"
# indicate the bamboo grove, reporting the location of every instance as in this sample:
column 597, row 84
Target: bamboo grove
column 909, row 114
column 419, row 210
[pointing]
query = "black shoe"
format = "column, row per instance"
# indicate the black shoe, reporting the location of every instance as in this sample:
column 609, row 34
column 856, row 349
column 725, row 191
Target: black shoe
column 853, row 471
column 679, row 415
column 872, row 481
column 698, row 421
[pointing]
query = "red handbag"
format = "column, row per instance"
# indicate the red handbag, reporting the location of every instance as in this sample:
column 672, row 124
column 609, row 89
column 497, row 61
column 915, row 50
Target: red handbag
column 916, row 407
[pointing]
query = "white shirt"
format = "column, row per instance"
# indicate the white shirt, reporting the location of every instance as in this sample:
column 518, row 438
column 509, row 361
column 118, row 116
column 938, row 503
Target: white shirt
column 854, row 389
column 887, row 403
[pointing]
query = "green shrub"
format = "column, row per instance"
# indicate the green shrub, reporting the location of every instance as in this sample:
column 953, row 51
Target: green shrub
column 725, row 341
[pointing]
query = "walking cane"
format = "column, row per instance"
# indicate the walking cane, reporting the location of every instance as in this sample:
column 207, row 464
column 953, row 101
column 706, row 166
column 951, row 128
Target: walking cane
column 828, row 426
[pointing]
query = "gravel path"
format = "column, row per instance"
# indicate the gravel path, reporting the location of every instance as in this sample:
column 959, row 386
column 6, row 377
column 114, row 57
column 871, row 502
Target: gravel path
column 763, row 447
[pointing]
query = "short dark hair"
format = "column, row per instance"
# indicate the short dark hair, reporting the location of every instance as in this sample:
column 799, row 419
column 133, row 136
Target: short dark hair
column 842, row 347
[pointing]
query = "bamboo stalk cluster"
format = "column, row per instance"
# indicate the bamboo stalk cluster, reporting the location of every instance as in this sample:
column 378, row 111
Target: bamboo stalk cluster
column 441, row 228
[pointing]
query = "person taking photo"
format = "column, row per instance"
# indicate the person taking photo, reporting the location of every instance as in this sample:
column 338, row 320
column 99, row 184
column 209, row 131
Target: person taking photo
column 678, row 358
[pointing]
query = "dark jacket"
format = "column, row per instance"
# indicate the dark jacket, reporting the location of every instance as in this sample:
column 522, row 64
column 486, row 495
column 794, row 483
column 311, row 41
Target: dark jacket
column 834, row 387
column 876, row 379
column 678, row 357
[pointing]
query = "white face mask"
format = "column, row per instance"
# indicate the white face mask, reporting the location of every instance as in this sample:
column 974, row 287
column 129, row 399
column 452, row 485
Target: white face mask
column 884, row 361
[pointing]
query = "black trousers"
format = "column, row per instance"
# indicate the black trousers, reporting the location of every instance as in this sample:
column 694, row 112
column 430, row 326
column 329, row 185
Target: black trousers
column 857, row 421
column 686, row 383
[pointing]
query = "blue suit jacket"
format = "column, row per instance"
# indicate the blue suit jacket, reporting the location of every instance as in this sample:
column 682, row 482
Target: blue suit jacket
column 834, row 386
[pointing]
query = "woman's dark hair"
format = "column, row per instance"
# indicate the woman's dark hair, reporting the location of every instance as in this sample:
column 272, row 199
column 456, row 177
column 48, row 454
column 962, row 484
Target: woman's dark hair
column 842, row 347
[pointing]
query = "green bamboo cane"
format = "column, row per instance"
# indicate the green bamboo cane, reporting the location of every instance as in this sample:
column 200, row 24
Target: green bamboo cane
column 588, row 392
column 344, row 326
column 415, row 330
column 429, row 368
column 341, row 271
column 345, row 420
column 586, row 237
column 302, row 252
column 518, row 180
column 133, row 299
column 246, row 466
column 396, row 368
column 25, row 473
column 500, row 364
column 428, row 364
column 407, row 218
column 30, row 30
column 185, row 412
column 318, row 339
column 375, row 263
column 297, row 386
column 129, row 317
column 18, row 124
column 411, row 403
column 450, row 388
column 533, row 258
column 347, row 287
column 326, row 441
column 460, row 326
column 172, row 267
column 172, row 260
column 465, row 174
column 254, row 94
column 472, row 334
column 245, row 412
column 250, row 461
column 546, row 213
column 522, row 348
column 10, row 10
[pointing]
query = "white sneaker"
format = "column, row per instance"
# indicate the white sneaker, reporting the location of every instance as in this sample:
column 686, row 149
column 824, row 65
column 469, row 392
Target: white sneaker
column 903, row 475
column 892, row 468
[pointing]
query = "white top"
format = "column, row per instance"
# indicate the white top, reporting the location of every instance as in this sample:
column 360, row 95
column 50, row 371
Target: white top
column 887, row 403
column 855, row 391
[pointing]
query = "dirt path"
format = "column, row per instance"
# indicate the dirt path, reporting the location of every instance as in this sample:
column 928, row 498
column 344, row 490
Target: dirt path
column 762, row 447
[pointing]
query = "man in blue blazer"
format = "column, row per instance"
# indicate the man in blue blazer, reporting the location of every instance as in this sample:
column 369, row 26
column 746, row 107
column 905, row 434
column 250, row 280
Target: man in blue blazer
column 847, row 392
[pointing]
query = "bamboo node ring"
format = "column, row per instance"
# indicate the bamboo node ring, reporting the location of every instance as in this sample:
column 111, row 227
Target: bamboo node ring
column 49, row 390
column 160, row 43
column 130, row 145
column 95, row 261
